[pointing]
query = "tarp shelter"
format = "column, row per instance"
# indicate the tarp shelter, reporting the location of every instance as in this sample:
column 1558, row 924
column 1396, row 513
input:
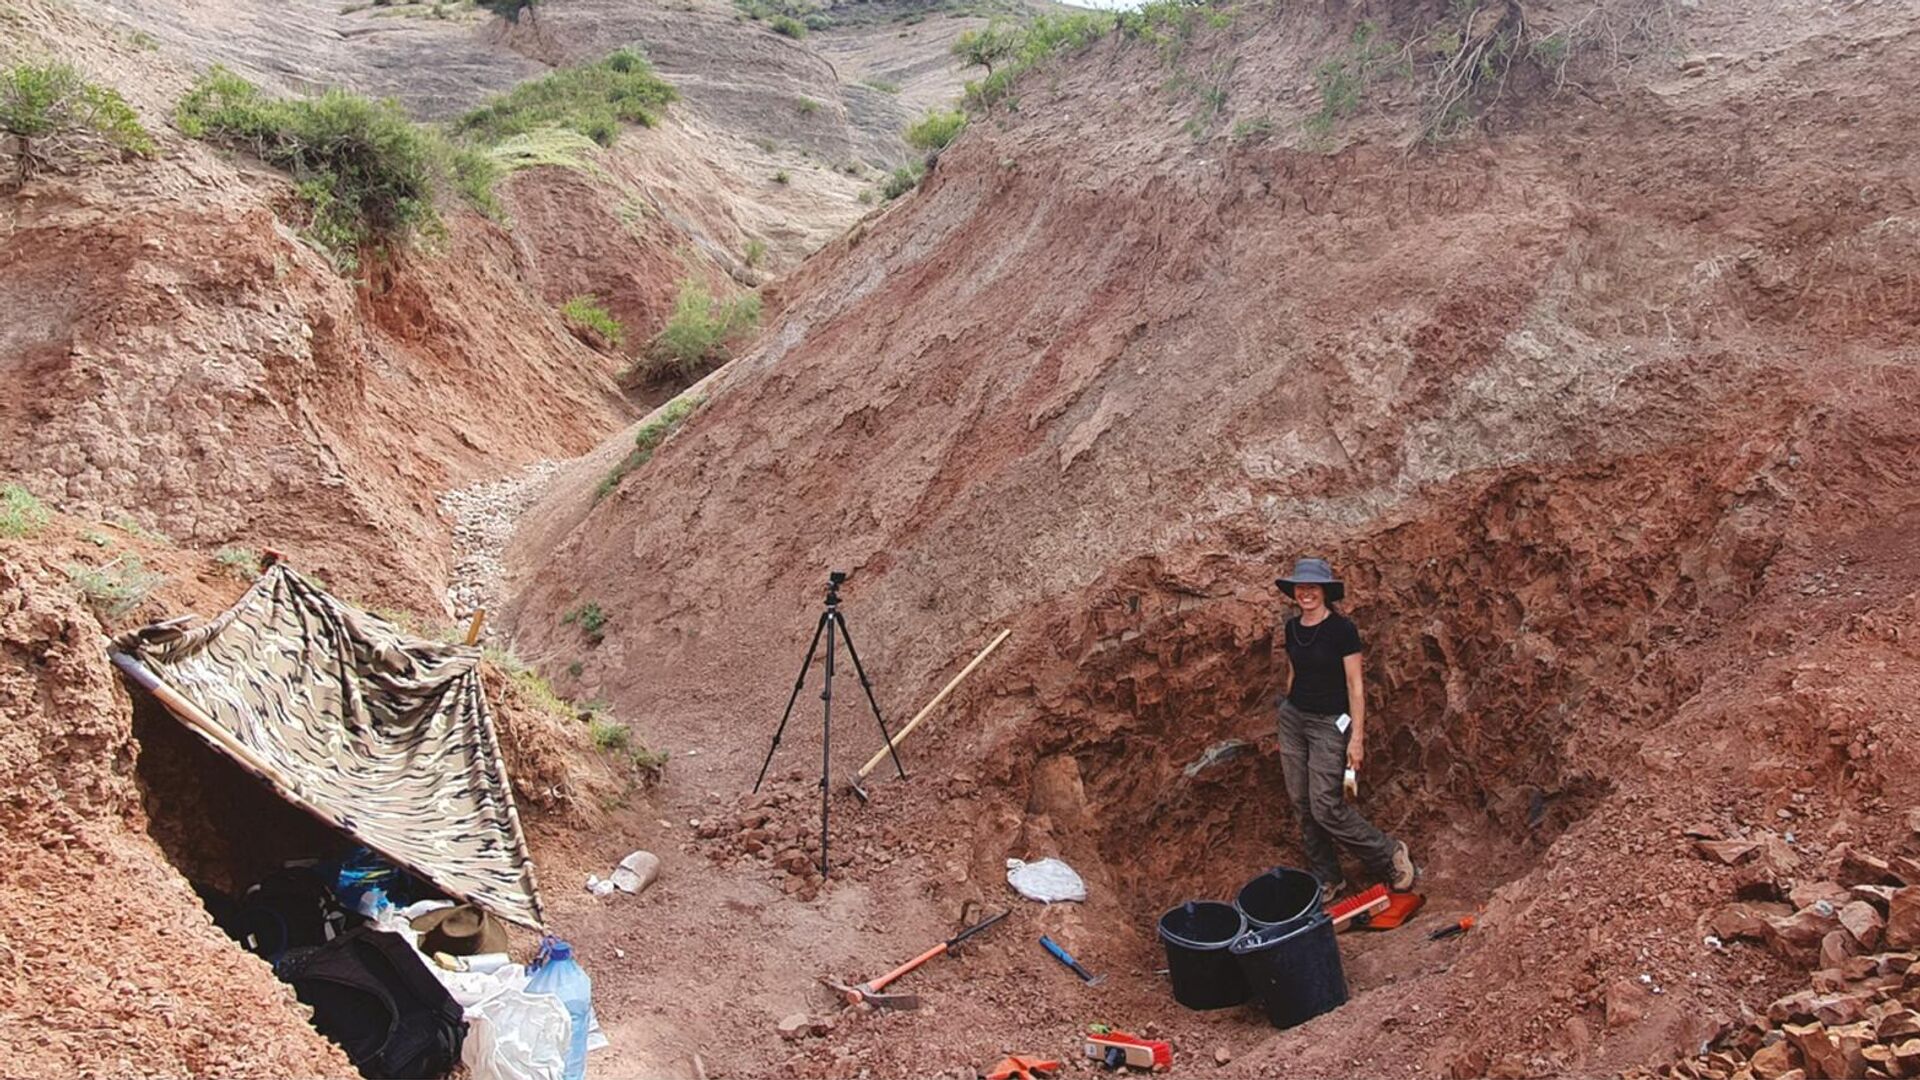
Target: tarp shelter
column 384, row 736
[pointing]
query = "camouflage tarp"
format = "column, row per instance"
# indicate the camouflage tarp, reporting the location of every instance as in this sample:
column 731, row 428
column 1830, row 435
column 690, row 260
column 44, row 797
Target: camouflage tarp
column 381, row 734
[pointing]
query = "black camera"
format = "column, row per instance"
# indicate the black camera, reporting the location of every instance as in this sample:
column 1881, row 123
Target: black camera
column 835, row 577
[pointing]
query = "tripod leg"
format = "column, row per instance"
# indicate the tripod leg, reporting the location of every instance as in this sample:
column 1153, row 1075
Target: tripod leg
column 867, row 685
column 826, row 740
column 791, row 698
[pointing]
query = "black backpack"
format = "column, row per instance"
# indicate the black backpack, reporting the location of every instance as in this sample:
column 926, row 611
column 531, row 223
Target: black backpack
column 289, row 908
column 372, row 994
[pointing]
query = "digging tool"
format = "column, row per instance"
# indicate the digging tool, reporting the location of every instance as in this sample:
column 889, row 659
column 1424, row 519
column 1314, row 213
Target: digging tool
column 894, row 742
column 1066, row 958
column 1024, row 1066
column 870, row 991
column 1455, row 930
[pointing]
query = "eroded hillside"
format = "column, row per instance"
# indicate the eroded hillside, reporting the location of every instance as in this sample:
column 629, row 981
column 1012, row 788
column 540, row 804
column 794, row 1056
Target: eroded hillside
column 1603, row 402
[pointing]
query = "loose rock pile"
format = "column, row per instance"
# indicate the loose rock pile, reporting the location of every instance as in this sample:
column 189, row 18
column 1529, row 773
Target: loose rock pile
column 483, row 517
column 780, row 828
column 1860, row 930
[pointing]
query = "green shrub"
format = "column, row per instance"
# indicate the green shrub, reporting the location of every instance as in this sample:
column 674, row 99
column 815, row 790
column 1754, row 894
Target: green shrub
column 937, row 129
column 608, row 735
column 696, row 335
column 20, row 513
column 585, row 315
column 243, row 563
column 1043, row 37
column 49, row 111
column 1343, row 80
column 117, row 587
column 591, row 619
column 885, row 86
column 509, row 10
column 904, row 179
column 807, row 106
column 782, row 176
column 648, row 439
column 368, row 174
column 1252, row 130
column 592, row 99
column 789, row 26
column 994, row 43
column 756, row 252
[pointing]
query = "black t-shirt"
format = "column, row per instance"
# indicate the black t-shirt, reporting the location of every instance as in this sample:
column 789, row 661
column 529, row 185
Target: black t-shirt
column 1318, row 654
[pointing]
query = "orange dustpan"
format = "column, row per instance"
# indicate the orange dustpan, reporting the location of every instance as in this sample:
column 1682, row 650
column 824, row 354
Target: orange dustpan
column 1401, row 906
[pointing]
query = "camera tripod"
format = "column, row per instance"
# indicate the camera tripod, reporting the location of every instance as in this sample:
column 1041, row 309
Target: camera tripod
column 831, row 622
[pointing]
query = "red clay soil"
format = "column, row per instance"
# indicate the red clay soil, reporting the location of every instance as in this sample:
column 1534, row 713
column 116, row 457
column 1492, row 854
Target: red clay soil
column 1607, row 416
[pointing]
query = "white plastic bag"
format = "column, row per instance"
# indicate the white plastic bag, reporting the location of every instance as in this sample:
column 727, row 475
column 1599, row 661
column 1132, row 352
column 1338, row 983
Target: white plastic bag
column 1048, row 880
column 514, row 1035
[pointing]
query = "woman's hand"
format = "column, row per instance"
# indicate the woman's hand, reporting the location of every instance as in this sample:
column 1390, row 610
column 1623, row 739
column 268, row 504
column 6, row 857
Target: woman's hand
column 1356, row 749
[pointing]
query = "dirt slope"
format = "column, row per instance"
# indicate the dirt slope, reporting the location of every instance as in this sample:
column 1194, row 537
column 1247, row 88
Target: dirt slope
column 1607, row 416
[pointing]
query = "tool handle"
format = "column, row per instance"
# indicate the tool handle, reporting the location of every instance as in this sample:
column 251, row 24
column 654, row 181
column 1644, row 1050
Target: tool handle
column 954, row 941
column 881, row 982
column 1061, row 955
column 901, row 735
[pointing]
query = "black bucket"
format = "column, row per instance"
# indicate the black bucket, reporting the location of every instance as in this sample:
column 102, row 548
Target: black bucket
column 1277, row 897
column 1294, row 969
column 1199, row 934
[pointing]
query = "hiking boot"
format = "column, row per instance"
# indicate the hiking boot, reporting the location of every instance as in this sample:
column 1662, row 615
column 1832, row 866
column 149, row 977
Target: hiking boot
column 1404, row 872
column 1330, row 890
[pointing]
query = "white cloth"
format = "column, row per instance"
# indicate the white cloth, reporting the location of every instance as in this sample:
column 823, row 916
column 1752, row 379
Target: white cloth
column 1048, row 880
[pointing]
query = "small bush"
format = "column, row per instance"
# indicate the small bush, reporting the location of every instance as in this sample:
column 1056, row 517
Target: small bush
column 807, row 106
column 788, row 26
column 783, row 177
column 608, row 735
column 591, row 619
column 756, row 252
column 368, row 174
column 937, row 129
column 49, row 111
column 116, row 587
column 243, row 563
column 904, row 179
column 21, row 514
column 591, row 99
column 697, row 333
column 585, row 316
column 883, row 85
column 648, row 439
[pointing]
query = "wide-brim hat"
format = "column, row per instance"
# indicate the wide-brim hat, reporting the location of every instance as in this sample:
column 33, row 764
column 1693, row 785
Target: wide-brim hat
column 1313, row 572
column 461, row 930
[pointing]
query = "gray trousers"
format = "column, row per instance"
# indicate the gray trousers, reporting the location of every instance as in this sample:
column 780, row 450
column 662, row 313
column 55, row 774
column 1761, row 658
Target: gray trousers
column 1313, row 757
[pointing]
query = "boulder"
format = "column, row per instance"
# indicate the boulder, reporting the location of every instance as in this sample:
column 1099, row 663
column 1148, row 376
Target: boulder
column 1778, row 856
column 1906, row 1054
column 1727, row 852
column 1903, row 918
column 1745, row 920
column 1897, row 1026
column 1809, row 893
column 1834, row 1010
column 795, row 1026
column 1802, row 931
column 1836, row 948
column 1772, row 1062
column 1877, row 895
column 1626, row 1003
column 1862, row 922
column 1860, row 868
column 1795, row 1008
column 636, row 872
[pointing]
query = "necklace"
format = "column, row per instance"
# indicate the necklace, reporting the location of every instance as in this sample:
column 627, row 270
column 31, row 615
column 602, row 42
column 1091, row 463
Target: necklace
column 1304, row 641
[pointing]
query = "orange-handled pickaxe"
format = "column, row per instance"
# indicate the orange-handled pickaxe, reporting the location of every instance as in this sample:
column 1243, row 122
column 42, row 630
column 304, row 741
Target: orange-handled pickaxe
column 869, row 991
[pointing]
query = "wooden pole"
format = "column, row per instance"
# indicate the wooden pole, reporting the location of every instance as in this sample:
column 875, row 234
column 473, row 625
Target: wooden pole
column 473, row 628
column 931, row 705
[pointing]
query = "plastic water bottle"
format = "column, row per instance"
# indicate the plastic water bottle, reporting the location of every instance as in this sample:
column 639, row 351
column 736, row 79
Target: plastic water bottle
column 560, row 976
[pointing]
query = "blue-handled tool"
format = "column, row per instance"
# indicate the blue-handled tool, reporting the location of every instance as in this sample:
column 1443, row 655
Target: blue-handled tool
column 1066, row 958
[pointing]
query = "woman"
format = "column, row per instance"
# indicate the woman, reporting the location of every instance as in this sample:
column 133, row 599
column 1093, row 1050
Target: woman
column 1323, row 732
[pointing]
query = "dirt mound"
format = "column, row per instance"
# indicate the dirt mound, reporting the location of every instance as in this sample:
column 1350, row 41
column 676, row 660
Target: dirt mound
column 1605, row 428
column 116, row 968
